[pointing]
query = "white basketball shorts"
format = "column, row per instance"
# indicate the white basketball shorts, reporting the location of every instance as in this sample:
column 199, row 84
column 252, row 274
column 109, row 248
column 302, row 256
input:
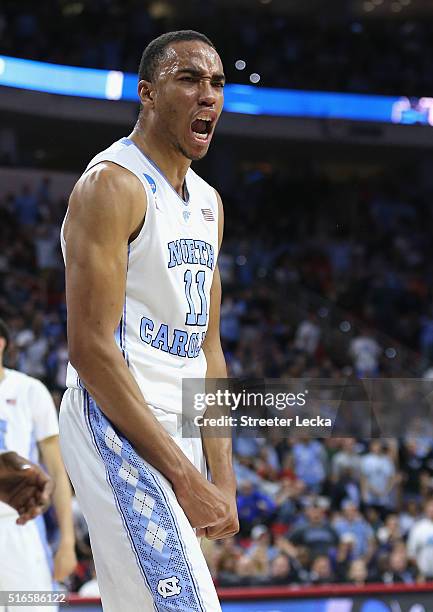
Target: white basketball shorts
column 147, row 557
column 25, row 560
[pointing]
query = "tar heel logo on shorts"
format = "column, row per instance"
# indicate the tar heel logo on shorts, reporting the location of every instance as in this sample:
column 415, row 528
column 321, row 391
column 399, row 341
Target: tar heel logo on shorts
column 168, row 587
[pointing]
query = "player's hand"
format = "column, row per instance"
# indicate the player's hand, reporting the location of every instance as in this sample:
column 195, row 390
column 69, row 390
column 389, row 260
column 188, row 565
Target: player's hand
column 65, row 561
column 227, row 527
column 24, row 486
column 203, row 503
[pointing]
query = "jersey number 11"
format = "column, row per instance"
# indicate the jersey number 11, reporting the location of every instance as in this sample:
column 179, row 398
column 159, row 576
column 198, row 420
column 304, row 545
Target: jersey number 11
column 193, row 317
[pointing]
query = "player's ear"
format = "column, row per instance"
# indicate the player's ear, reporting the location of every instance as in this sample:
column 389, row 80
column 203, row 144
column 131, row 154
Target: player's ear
column 146, row 93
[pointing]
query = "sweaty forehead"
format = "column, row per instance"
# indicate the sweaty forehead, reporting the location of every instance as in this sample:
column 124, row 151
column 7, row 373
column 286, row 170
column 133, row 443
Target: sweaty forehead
column 190, row 55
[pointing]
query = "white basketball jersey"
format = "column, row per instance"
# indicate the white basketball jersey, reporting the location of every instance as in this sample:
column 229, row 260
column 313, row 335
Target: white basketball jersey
column 168, row 280
column 27, row 416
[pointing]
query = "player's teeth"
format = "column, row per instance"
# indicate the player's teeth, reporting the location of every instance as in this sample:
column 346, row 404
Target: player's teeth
column 200, row 136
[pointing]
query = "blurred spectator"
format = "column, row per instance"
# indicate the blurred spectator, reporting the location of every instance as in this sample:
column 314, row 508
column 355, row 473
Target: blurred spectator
column 253, row 506
column 357, row 573
column 222, row 557
column 378, row 477
column 389, row 534
column 365, row 351
column 351, row 522
column 281, row 571
column 399, row 570
column 321, row 571
column 420, row 542
column 344, row 556
column 309, row 462
column 348, row 458
column 245, row 573
column 286, row 499
column 409, row 515
column 26, row 207
column 346, row 487
column 308, row 335
column 412, row 465
column 261, row 548
column 317, row 534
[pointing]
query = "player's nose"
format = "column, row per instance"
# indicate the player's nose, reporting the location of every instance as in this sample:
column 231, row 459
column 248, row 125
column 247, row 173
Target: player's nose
column 207, row 94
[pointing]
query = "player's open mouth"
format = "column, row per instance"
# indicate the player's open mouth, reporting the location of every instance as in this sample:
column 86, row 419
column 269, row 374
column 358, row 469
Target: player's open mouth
column 202, row 127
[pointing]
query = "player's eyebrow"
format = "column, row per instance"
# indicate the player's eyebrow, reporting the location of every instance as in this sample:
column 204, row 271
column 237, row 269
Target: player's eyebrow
column 219, row 76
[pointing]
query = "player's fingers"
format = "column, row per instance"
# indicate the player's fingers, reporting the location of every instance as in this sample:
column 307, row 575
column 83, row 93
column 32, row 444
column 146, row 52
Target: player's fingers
column 200, row 532
column 46, row 492
column 226, row 530
column 23, row 497
column 28, row 515
column 27, row 507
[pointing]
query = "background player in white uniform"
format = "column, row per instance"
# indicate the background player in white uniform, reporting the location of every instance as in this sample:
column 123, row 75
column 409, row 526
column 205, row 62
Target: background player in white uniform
column 28, row 424
column 141, row 239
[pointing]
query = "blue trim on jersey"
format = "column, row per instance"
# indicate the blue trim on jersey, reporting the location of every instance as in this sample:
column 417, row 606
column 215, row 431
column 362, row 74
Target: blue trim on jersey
column 120, row 333
column 42, row 531
column 125, row 352
column 3, row 432
column 148, row 517
column 128, row 142
column 107, row 477
column 117, row 334
column 33, row 453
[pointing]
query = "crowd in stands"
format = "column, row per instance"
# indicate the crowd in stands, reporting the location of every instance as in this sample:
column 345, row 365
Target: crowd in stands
column 306, row 51
column 332, row 280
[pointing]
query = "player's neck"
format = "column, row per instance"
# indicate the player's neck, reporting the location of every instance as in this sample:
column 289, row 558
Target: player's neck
column 172, row 163
column 2, row 372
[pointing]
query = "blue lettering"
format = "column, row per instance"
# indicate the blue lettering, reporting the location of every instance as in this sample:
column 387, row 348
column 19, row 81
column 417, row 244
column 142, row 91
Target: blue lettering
column 211, row 256
column 175, row 254
column 189, row 251
column 161, row 338
column 192, row 346
column 191, row 254
column 146, row 324
column 179, row 342
column 201, row 246
column 184, row 248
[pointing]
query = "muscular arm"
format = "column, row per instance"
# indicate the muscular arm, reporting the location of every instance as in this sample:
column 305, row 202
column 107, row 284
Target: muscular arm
column 106, row 208
column 218, row 450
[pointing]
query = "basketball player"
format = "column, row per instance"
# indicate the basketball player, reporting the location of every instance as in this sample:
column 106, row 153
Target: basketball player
column 28, row 424
column 24, row 486
column 141, row 239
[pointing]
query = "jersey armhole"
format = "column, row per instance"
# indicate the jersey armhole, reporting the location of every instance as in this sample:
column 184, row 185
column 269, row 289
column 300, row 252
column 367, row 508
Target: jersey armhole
column 147, row 190
column 149, row 211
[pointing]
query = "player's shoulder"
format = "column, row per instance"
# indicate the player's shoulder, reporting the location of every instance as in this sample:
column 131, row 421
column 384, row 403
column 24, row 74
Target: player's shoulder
column 16, row 375
column 107, row 173
column 23, row 381
column 107, row 177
